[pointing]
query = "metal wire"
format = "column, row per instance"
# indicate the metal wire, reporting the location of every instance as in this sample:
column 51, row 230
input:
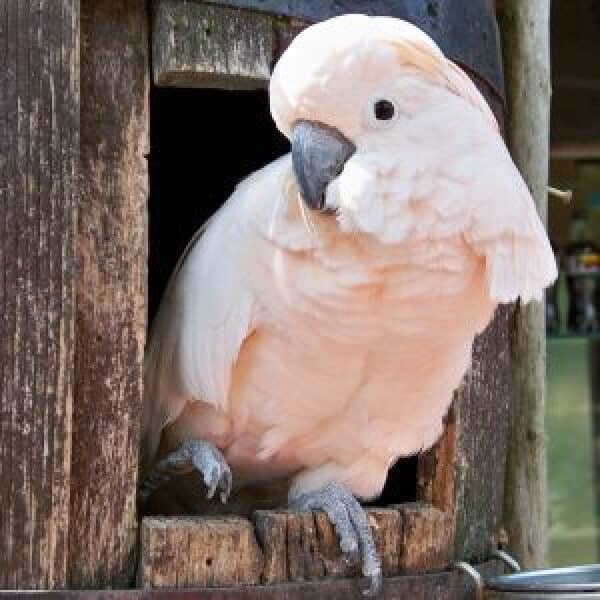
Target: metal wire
column 474, row 575
column 507, row 559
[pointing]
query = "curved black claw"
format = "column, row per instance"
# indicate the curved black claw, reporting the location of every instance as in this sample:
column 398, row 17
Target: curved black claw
column 197, row 455
column 350, row 522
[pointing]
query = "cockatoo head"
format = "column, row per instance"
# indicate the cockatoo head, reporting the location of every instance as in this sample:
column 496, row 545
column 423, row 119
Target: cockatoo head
column 371, row 105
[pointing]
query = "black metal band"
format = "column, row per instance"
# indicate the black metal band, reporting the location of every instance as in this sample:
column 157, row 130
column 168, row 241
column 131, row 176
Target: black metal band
column 465, row 30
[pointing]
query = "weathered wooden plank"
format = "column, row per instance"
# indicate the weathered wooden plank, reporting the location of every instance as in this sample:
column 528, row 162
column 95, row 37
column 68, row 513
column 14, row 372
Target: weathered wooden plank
column 156, row 556
column 271, row 527
column 293, row 547
column 111, row 291
column 482, row 416
column 199, row 551
column 197, row 45
column 388, row 526
column 304, row 546
column 39, row 138
column 526, row 37
column 426, row 540
column 463, row 475
column 446, row 585
column 298, row 546
column 437, row 469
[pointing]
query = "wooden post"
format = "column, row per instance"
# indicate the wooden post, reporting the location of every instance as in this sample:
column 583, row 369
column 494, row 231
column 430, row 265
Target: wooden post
column 111, row 291
column 482, row 411
column 39, row 147
column 526, row 39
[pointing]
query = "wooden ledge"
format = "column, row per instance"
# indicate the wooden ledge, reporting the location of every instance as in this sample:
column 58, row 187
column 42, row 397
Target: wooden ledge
column 199, row 45
column 284, row 546
column 442, row 585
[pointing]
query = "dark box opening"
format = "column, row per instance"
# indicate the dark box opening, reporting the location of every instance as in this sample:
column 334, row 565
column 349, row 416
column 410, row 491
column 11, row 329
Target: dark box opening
column 203, row 142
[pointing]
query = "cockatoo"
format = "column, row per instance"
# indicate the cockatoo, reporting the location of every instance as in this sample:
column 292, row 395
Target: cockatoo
column 318, row 324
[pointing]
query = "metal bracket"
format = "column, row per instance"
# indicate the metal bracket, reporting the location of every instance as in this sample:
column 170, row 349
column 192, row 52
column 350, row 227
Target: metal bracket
column 475, row 575
column 507, row 559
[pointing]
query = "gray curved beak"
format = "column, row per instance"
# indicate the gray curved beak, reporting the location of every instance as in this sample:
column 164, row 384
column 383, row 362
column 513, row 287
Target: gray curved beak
column 319, row 153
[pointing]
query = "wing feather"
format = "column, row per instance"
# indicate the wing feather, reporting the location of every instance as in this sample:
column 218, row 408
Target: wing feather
column 505, row 227
column 209, row 308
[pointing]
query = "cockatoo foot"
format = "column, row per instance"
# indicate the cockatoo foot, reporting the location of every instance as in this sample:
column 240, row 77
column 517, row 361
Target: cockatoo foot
column 197, row 455
column 350, row 522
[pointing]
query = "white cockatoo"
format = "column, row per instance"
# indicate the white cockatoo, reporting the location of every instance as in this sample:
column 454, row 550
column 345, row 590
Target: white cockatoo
column 317, row 326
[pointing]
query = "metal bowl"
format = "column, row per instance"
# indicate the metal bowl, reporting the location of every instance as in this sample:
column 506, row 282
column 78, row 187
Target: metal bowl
column 568, row 583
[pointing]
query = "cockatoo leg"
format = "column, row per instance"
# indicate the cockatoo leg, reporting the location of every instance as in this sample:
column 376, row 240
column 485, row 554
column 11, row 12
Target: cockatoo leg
column 350, row 522
column 197, row 455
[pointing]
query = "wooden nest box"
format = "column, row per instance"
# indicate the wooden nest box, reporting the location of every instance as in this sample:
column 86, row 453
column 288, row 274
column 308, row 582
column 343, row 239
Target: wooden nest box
column 92, row 93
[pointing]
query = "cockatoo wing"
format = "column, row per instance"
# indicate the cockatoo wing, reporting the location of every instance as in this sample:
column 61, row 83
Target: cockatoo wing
column 506, row 229
column 199, row 329
column 504, row 225
column 210, row 306
column 208, row 309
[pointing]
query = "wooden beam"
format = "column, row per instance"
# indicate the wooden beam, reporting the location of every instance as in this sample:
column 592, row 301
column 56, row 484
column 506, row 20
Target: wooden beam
column 525, row 34
column 199, row 551
column 39, row 146
column 426, row 539
column 444, row 585
column 289, row 546
column 192, row 45
column 482, row 414
column 575, row 115
column 198, row 45
column 308, row 564
column 111, row 291
column 575, row 151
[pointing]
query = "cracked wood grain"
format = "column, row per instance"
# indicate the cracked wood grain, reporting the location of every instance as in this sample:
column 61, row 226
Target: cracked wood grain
column 111, row 292
column 39, row 139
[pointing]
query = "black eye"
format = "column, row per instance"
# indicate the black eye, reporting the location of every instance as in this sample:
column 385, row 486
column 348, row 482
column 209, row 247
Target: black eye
column 384, row 110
